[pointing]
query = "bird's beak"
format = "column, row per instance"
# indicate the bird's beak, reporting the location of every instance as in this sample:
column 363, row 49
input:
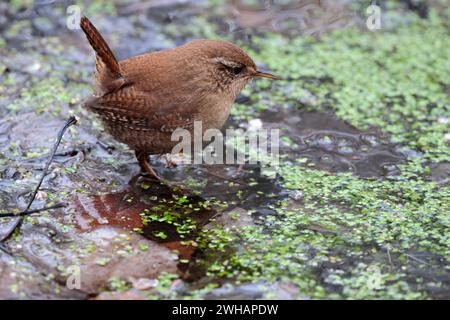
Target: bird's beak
column 259, row 74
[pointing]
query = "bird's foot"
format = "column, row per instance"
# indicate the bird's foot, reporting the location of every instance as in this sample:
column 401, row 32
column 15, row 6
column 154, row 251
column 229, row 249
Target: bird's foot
column 148, row 170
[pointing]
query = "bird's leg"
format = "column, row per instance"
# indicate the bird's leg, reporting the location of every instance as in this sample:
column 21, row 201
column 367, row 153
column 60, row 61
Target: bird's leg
column 142, row 158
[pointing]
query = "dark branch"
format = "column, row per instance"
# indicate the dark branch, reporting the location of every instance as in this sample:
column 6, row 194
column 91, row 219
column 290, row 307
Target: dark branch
column 71, row 121
column 27, row 213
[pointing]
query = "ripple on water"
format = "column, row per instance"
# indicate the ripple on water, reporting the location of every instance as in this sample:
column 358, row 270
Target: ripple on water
column 328, row 143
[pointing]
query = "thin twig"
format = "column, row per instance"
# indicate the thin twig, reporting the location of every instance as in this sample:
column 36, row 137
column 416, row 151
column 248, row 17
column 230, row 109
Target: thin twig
column 27, row 213
column 71, row 121
column 4, row 248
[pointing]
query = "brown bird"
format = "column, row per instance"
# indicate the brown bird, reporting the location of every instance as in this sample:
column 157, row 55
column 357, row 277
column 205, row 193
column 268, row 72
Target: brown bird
column 143, row 99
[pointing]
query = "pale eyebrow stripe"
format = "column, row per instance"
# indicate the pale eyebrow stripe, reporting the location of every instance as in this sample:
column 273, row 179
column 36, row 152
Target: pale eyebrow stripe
column 226, row 62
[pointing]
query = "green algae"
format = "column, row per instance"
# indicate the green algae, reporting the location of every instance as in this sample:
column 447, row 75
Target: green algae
column 179, row 214
column 344, row 236
column 341, row 229
column 396, row 81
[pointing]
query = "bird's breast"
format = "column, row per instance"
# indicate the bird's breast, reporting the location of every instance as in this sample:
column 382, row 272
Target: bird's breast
column 215, row 112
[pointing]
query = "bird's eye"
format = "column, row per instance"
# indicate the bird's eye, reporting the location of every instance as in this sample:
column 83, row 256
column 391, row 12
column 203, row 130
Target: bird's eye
column 234, row 69
column 237, row 70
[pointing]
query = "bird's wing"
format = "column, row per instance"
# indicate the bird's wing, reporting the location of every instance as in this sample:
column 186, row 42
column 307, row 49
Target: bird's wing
column 141, row 112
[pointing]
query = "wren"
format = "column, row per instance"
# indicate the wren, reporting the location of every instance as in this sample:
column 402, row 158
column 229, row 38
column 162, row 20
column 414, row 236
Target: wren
column 143, row 99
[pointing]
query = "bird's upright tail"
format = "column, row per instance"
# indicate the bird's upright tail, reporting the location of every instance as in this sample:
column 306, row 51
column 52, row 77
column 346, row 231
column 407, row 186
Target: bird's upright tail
column 108, row 74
